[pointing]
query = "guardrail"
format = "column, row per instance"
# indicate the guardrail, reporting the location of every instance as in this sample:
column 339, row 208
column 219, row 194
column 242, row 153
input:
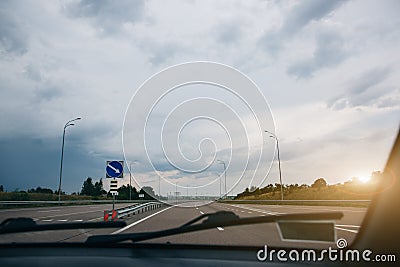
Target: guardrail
column 131, row 210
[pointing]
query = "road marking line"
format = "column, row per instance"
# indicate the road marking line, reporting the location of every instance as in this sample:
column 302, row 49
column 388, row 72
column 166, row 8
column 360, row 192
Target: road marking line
column 201, row 212
column 342, row 210
column 348, row 225
column 220, row 228
column 95, row 219
column 49, row 220
column 62, row 220
column 257, row 210
column 78, row 220
column 141, row 220
column 47, row 210
column 348, row 230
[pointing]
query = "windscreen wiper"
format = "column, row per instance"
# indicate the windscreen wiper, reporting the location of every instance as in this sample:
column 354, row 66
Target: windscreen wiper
column 18, row 225
column 212, row 220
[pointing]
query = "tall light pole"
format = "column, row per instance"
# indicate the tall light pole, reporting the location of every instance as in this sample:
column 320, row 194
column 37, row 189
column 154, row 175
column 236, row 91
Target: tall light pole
column 222, row 162
column 279, row 160
column 62, row 154
column 130, row 181
column 176, row 193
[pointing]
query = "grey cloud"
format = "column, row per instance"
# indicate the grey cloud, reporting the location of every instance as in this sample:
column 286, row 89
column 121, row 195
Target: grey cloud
column 366, row 91
column 33, row 73
column 307, row 11
column 33, row 162
column 370, row 79
column 296, row 19
column 13, row 39
column 389, row 101
column 108, row 16
column 228, row 33
column 48, row 92
column 330, row 52
column 162, row 53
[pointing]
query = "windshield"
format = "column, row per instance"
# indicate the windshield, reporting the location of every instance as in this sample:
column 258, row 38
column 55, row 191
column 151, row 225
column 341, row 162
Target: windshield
column 155, row 113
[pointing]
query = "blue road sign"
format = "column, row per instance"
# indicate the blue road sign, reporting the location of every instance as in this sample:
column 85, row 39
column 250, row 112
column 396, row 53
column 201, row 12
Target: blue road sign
column 115, row 169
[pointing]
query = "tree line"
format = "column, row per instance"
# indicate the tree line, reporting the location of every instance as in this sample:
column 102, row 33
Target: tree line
column 90, row 188
column 319, row 189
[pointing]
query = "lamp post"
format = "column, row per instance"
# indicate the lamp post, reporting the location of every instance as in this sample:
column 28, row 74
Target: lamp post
column 222, row 162
column 176, row 193
column 130, row 181
column 279, row 160
column 69, row 123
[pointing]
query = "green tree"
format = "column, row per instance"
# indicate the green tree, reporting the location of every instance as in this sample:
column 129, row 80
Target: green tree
column 123, row 192
column 319, row 183
column 1, row 188
column 98, row 188
column 88, row 188
column 41, row 190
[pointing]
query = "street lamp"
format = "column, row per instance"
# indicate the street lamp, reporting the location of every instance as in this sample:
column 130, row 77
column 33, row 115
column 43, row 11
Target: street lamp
column 62, row 154
column 222, row 162
column 279, row 160
column 176, row 193
column 130, row 181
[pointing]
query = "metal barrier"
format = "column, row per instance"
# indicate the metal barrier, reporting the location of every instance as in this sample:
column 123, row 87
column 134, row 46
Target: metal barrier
column 131, row 210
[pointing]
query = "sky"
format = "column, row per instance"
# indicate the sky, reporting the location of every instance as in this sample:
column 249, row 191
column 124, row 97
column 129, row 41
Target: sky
column 328, row 71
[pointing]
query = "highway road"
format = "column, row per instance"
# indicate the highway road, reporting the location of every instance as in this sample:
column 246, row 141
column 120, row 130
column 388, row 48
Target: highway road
column 173, row 216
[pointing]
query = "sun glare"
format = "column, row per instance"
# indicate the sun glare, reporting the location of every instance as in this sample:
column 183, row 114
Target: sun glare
column 364, row 179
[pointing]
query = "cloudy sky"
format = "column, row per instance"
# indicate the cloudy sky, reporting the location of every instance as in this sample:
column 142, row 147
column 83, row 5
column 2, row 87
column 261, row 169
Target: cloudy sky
column 329, row 71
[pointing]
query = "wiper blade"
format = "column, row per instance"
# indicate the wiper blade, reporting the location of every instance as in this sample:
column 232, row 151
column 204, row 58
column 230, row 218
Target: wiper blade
column 213, row 220
column 18, row 225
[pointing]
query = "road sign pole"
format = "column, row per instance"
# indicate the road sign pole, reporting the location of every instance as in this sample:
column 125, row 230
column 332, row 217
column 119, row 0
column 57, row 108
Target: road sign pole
column 113, row 202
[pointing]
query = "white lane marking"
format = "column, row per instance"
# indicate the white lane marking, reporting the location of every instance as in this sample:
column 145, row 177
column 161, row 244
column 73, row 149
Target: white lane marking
column 258, row 210
column 95, row 219
column 77, row 220
column 141, row 220
column 348, row 230
column 47, row 210
column 49, row 220
column 220, row 228
column 313, row 208
column 197, row 208
column 201, row 212
column 348, row 225
column 62, row 220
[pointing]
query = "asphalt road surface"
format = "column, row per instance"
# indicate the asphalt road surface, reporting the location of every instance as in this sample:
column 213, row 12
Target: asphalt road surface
column 173, row 216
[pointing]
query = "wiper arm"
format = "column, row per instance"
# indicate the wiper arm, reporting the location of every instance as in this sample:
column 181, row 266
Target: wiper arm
column 213, row 220
column 18, row 225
